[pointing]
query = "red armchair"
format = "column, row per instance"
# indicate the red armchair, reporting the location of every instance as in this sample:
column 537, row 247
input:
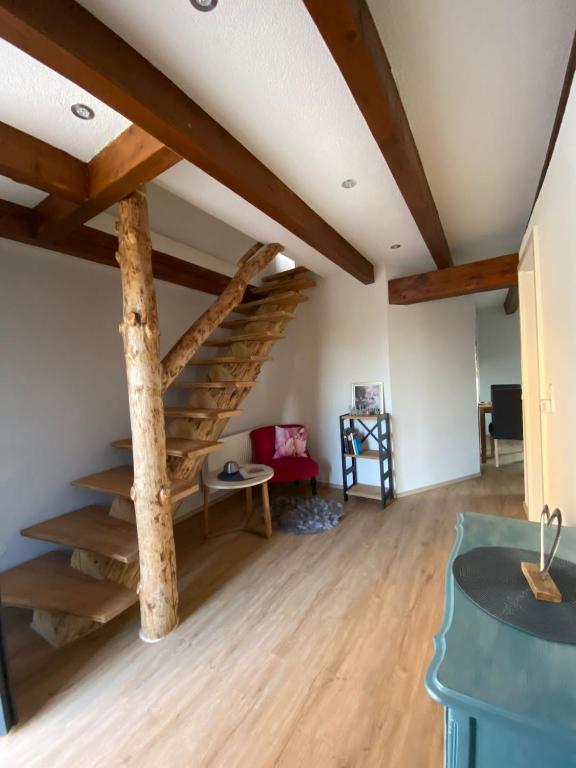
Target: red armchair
column 289, row 469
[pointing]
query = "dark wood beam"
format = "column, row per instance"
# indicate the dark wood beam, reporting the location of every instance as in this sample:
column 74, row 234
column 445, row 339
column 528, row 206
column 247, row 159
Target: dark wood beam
column 19, row 223
column 478, row 276
column 132, row 159
column 512, row 300
column 351, row 35
column 31, row 161
column 68, row 39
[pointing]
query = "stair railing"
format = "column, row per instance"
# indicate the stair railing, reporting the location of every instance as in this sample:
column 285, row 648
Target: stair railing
column 250, row 264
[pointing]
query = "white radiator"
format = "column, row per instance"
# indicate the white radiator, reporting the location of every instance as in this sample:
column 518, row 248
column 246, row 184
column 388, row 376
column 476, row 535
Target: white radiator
column 236, row 447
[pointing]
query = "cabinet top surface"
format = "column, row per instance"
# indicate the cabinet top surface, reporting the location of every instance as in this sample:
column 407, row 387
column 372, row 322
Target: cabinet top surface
column 484, row 665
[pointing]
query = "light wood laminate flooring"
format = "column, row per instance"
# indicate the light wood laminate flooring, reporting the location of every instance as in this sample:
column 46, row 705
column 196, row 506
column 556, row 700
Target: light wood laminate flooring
column 298, row 652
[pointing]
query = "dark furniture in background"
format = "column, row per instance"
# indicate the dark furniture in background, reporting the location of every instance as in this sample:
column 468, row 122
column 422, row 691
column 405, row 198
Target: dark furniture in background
column 484, row 409
column 506, row 414
column 289, row 469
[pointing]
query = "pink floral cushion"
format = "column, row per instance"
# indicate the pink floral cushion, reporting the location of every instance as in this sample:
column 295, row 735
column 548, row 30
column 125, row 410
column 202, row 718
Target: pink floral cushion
column 290, row 441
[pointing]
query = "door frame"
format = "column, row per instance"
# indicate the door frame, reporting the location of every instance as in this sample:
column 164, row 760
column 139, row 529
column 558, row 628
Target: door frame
column 533, row 386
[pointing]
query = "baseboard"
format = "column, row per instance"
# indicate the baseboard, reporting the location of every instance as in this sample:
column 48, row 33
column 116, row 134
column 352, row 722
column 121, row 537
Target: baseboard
column 425, row 488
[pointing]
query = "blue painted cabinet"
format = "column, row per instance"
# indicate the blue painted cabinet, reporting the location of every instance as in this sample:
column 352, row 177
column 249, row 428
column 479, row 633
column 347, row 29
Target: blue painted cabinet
column 509, row 698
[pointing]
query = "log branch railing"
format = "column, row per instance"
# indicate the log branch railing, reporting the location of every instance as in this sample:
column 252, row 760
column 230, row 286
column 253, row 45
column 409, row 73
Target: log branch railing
column 252, row 262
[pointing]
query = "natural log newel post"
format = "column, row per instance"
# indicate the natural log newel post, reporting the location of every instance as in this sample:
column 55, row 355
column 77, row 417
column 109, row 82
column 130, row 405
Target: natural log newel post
column 151, row 491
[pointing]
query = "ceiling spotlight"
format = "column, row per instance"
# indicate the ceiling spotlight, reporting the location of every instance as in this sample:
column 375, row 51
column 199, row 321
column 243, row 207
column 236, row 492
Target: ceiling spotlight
column 349, row 183
column 82, row 111
column 204, row 5
column 396, row 246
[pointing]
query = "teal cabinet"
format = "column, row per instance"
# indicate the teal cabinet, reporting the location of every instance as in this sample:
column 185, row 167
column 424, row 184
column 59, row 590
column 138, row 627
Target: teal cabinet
column 509, row 698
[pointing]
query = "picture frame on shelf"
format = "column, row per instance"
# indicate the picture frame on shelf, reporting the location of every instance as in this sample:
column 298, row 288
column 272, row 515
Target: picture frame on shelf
column 368, row 397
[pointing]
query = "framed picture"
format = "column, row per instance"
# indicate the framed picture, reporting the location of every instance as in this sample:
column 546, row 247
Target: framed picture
column 368, row 397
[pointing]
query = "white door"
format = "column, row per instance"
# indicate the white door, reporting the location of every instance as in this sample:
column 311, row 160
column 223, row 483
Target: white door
column 532, row 375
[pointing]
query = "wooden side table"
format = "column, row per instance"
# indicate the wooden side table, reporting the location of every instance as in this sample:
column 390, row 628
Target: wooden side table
column 483, row 410
column 255, row 474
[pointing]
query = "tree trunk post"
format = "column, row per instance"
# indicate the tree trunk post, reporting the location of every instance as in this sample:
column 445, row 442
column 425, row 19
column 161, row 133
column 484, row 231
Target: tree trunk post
column 151, row 490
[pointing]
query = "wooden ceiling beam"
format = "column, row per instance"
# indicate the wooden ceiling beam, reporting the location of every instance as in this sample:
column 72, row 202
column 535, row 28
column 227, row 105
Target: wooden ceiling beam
column 68, row 39
column 512, row 300
column 476, row 277
column 19, row 223
column 132, row 159
column 351, row 35
column 31, row 161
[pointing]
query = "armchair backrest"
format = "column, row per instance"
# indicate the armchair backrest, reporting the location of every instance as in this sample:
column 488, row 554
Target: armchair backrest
column 507, row 411
column 264, row 442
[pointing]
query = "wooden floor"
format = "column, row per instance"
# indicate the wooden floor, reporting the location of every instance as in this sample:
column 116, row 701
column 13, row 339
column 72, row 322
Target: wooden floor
column 298, row 652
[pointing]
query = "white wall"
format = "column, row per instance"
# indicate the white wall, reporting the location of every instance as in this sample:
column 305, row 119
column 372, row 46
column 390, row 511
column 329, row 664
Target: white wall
column 343, row 335
column 498, row 336
column 432, row 363
column 63, row 395
column 555, row 219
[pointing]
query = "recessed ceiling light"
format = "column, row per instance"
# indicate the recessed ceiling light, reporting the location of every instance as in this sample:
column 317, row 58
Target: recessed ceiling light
column 204, row 5
column 82, row 111
column 349, row 183
column 396, row 246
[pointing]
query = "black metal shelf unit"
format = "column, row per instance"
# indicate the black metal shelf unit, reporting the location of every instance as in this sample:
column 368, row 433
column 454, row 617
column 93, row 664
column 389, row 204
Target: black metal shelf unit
column 380, row 432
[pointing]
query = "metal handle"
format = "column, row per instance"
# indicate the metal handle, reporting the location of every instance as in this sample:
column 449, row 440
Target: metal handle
column 546, row 520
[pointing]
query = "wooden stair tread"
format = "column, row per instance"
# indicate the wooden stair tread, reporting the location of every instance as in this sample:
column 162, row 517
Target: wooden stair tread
column 292, row 284
column 118, row 482
column 269, row 317
column 201, row 413
column 213, row 384
column 289, row 297
column 90, row 528
column 178, row 446
column 51, row 584
column 244, row 337
column 230, row 359
column 286, row 273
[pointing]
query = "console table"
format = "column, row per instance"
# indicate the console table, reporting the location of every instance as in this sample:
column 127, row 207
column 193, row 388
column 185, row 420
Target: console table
column 509, row 697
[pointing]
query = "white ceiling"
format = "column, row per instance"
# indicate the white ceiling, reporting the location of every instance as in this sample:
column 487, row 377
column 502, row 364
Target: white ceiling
column 20, row 193
column 262, row 70
column 177, row 219
column 36, row 100
column 480, row 83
